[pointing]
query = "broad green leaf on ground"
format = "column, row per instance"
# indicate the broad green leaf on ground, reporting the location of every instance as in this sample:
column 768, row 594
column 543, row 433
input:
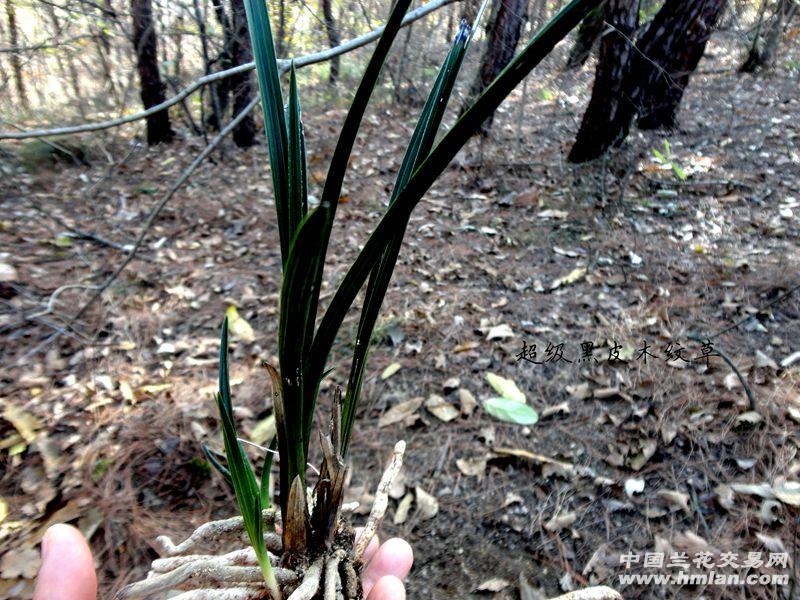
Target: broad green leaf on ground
column 511, row 411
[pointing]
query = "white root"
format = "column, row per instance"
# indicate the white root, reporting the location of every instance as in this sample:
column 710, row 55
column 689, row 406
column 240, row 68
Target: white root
column 381, row 500
column 333, row 582
column 244, row 557
column 308, row 588
column 350, row 583
column 208, row 532
column 200, row 572
column 226, row 594
column 600, row 592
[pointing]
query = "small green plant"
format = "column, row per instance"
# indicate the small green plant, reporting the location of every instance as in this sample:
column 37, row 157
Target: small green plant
column 667, row 160
column 312, row 530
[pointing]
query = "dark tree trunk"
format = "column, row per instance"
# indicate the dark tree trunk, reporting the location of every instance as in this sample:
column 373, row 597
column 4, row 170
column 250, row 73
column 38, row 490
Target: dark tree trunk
column 761, row 54
column 676, row 40
column 607, row 117
column 588, row 33
column 333, row 38
column 221, row 89
column 654, row 75
column 152, row 87
column 503, row 33
column 280, row 41
column 14, row 57
column 244, row 135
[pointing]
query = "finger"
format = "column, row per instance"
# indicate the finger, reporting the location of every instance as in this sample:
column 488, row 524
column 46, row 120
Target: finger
column 67, row 571
column 394, row 557
column 372, row 547
column 388, row 588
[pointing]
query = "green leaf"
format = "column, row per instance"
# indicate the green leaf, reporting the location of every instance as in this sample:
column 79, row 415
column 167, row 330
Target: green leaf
column 245, row 487
column 303, row 272
column 274, row 118
column 679, row 171
column 505, row 387
column 212, row 457
column 265, row 473
column 420, row 145
column 298, row 309
column 659, row 157
column 298, row 190
column 511, row 411
column 395, row 218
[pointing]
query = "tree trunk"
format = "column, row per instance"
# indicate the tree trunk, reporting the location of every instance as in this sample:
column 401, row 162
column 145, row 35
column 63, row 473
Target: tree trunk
column 588, row 33
column 607, row 117
column 221, row 89
column 280, row 42
column 14, row 56
column 151, row 86
column 503, row 33
column 648, row 80
column 761, row 55
column 333, row 38
column 676, row 40
column 244, row 135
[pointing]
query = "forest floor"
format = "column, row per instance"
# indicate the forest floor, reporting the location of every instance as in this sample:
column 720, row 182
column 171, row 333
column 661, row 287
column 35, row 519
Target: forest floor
column 513, row 246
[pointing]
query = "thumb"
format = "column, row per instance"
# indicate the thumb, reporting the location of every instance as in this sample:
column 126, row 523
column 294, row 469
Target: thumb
column 67, row 571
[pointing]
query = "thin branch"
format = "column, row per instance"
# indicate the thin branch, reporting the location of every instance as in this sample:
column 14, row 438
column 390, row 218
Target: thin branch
column 302, row 61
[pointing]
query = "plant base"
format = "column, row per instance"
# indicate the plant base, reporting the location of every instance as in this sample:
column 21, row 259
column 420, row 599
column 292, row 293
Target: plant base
column 194, row 568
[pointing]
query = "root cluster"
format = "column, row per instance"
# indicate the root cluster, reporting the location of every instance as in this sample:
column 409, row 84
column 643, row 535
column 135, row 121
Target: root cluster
column 235, row 575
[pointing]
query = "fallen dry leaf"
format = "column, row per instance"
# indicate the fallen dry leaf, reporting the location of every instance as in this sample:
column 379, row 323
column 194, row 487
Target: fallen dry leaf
column 441, row 408
column 427, row 505
column 390, row 370
column 500, row 332
column 495, row 584
column 467, row 402
column 472, row 467
column 400, row 412
column 787, row 492
column 675, row 498
column 20, row 563
column 561, row 521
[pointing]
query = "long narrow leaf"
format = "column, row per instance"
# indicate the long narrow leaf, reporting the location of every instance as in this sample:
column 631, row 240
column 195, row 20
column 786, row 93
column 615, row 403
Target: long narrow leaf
column 295, row 331
column 266, row 502
column 274, row 118
column 298, row 192
column 436, row 162
column 215, row 462
column 421, row 142
column 304, row 267
column 245, row 487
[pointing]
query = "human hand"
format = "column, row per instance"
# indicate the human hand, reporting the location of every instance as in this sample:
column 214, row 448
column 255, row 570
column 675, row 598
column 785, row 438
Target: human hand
column 387, row 567
column 67, row 571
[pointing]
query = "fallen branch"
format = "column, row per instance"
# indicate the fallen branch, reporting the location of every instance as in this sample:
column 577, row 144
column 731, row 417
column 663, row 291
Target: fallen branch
column 301, row 61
